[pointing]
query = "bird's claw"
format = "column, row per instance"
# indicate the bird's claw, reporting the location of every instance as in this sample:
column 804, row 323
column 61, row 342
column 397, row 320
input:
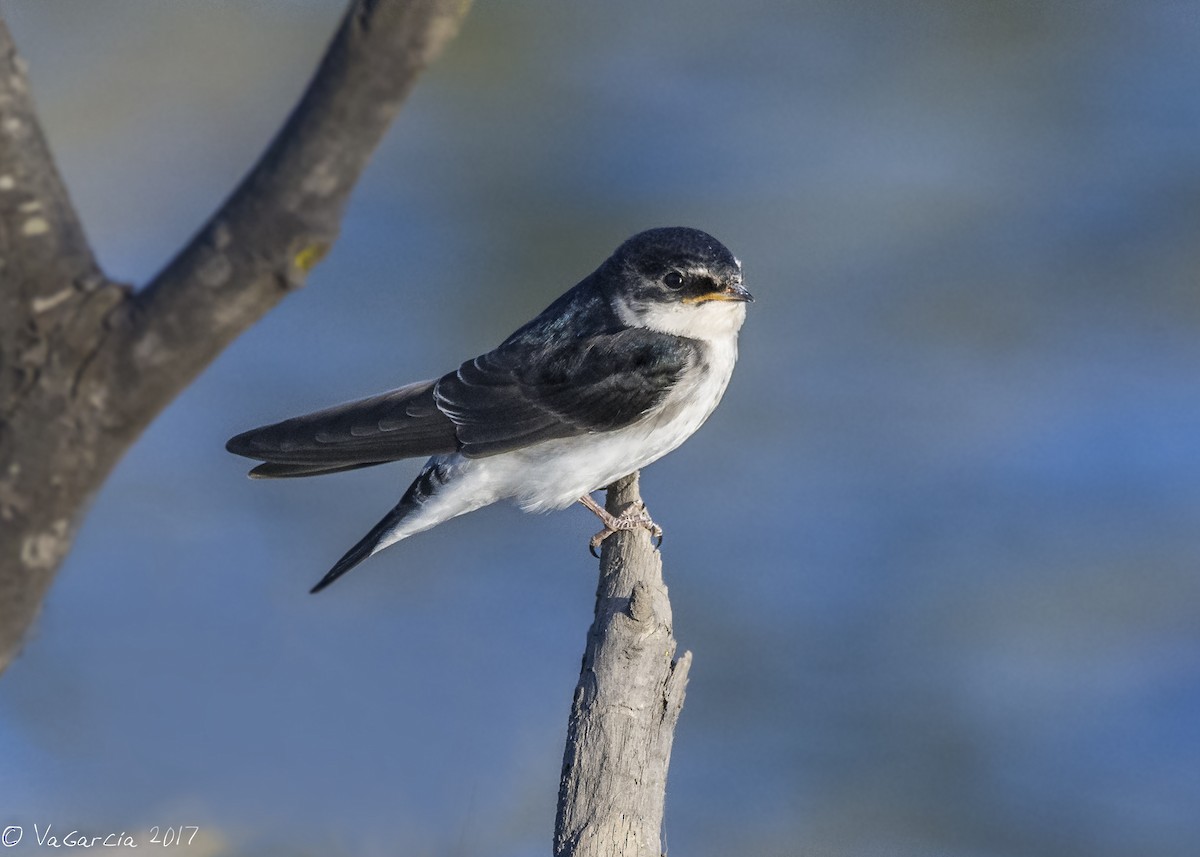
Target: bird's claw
column 630, row 520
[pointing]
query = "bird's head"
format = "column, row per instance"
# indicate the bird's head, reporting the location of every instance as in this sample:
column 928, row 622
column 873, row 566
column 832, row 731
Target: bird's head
column 680, row 281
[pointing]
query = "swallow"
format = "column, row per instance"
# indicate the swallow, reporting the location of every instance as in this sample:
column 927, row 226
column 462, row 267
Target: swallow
column 613, row 375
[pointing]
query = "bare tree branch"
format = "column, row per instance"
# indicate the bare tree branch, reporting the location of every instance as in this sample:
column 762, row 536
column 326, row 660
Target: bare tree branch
column 47, row 269
column 85, row 365
column 630, row 692
column 39, row 229
column 53, row 299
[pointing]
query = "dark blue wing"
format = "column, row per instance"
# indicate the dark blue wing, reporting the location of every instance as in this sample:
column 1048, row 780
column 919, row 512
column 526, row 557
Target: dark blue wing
column 530, row 391
column 572, row 370
column 401, row 423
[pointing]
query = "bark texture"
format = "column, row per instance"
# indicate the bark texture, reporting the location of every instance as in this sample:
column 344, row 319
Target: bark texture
column 86, row 363
column 630, row 692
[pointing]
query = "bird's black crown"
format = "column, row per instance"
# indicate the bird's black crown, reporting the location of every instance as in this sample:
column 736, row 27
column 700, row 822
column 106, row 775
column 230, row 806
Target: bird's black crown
column 674, row 263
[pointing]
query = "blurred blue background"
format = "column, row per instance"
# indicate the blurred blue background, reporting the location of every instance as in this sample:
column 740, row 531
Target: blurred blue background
column 936, row 555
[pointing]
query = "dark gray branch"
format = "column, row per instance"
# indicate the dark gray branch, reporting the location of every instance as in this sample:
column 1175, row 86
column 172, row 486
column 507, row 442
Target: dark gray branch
column 630, row 692
column 85, row 364
column 39, row 229
column 53, row 299
column 46, row 266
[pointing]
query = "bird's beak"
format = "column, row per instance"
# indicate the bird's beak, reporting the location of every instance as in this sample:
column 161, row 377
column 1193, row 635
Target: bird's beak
column 729, row 292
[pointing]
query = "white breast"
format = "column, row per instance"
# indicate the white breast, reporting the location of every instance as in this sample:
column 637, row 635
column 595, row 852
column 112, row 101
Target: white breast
column 554, row 474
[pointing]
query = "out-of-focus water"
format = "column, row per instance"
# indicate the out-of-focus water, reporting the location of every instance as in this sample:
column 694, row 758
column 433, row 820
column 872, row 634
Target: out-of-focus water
column 936, row 554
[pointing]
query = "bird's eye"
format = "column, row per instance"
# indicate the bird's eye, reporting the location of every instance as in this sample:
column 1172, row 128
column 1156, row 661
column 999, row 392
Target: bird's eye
column 673, row 280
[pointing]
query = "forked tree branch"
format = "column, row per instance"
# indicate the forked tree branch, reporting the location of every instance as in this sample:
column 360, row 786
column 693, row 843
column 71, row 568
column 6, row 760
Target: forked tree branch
column 630, row 692
column 86, row 364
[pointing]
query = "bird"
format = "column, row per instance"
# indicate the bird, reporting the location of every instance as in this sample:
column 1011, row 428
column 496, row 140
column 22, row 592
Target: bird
column 618, row 371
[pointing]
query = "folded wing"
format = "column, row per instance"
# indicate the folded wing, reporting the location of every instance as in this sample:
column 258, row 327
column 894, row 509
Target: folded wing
column 522, row 393
column 401, row 423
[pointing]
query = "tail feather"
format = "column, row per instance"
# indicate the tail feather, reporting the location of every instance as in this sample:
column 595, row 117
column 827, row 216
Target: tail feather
column 366, row 546
column 386, row 532
column 401, row 423
column 275, row 470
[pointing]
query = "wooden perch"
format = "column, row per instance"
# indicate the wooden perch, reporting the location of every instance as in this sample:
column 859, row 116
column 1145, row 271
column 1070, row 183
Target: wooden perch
column 630, row 692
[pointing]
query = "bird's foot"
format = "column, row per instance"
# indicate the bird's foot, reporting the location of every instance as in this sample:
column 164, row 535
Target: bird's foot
column 630, row 519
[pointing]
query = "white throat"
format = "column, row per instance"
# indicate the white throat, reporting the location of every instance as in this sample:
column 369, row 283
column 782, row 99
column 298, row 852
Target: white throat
column 711, row 321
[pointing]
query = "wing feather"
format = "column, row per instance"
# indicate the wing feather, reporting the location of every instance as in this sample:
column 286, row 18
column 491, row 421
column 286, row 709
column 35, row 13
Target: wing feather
column 532, row 388
column 401, row 423
column 524, row 393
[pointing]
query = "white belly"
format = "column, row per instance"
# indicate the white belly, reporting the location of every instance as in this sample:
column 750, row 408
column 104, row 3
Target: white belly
column 554, row 474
